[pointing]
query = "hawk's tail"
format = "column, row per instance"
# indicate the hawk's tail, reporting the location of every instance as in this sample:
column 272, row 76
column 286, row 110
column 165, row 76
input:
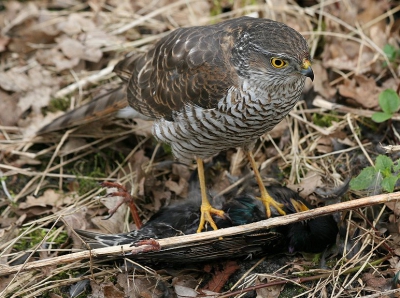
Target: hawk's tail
column 99, row 107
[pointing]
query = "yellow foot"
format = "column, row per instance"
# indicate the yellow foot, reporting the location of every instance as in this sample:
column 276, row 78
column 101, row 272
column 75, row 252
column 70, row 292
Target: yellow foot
column 206, row 216
column 299, row 206
column 268, row 201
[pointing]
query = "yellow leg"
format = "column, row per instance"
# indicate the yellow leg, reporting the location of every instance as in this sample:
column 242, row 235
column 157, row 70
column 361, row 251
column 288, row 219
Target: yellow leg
column 206, row 208
column 265, row 197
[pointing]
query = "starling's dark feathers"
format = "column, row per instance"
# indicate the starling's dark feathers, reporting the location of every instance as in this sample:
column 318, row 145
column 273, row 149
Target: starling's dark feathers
column 313, row 235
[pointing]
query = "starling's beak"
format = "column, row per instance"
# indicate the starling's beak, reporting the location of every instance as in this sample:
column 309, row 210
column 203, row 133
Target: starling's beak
column 306, row 69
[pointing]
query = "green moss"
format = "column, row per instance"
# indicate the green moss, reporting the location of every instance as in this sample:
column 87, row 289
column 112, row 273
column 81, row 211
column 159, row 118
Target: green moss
column 98, row 165
column 35, row 237
column 167, row 148
column 291, row 290
column 31, row 239
column 58, row 104
column 325, row 120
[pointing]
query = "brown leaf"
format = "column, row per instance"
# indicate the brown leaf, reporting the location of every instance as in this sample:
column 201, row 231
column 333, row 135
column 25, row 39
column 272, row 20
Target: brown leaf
column 268, row 292
column 324, row 144
column 70, row 47
column 310, row 182
column 394, row 206
column 377, row 283
column 115, row 224
column 363, row 90
column 145, row 287
column 180, row 187
column 321, row 82
column 220, row 277
column 49, row 198
column 111, row 291
column 25, row 12
column 158, row 196
column 75, row 24
column 345, row 55
column 9, row 110
column 4, row 40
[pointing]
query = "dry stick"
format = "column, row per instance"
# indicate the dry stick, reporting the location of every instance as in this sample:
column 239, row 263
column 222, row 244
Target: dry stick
column 85, row 81
column 182, row 241
column 58, row 148
column 358, row 140
column 324, row 104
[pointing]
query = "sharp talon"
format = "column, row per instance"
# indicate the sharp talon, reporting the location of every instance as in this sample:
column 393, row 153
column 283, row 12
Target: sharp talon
column 206, row 211
column 126, row 198
column 268, row 201
column 299, row 206
column 108, row 216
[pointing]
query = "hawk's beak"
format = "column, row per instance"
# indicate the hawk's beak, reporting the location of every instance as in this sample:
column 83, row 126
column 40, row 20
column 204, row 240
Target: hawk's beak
column 307, row 70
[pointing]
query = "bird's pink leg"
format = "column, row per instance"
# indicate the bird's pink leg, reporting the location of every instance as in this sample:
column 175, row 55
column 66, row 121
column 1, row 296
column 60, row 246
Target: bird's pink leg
column 126, row 198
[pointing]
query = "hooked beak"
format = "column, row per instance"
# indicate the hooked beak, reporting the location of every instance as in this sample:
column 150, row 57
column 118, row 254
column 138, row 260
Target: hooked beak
column 306, row 69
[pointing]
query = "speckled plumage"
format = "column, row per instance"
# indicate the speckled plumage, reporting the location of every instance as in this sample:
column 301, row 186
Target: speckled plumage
column 213, row 87
column 210, row 88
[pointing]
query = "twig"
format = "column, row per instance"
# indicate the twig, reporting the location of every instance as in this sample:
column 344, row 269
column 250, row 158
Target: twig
column 180, row 241
column 85, row 81
column 324, row 104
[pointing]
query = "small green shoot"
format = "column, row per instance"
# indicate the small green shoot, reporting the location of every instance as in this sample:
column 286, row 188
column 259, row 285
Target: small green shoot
column 385, row 167
column 389, row 101
column 391, row 52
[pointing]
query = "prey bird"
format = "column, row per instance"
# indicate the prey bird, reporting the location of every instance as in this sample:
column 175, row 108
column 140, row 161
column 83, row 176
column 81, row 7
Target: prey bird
column 310, row 236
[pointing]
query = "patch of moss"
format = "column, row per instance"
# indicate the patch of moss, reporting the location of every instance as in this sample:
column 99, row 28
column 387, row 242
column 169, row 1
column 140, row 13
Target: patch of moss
column 58, row 104
column 291, row 290
column 30, row 239
column 35, row 237
column 98, row 165
column 325, row 120
column 167, row 148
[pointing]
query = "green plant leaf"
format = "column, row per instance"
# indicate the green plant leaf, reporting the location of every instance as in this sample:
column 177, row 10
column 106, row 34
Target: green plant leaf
column 389, row 101
column 364, row 179
column 390, row 52
column 380, row 117
column 384, row 164
column 388, row 183
column 396, row 167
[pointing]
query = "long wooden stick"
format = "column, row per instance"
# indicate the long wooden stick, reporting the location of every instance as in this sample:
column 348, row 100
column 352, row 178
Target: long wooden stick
column 195, row 238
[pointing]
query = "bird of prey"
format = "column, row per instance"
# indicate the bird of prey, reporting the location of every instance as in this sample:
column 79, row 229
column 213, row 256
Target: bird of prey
column 210, row 88
column 311, row 236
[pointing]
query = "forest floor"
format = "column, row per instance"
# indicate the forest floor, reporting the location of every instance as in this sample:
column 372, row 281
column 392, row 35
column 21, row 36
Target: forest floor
column 58, row 55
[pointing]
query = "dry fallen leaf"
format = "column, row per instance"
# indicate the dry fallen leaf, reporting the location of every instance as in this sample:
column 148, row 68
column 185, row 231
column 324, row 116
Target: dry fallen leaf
column 49, row 198
column 115, row 224
column 267, row 292
column 9, row 110
column 308, row 184
column 363, row 90
column 321, row 82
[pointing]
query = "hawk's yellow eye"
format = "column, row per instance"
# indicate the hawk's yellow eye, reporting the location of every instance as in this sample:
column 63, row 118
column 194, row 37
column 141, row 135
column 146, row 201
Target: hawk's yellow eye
column 278, row 63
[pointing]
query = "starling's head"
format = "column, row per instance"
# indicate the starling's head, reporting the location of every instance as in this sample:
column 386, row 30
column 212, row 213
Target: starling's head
column 313, row 235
